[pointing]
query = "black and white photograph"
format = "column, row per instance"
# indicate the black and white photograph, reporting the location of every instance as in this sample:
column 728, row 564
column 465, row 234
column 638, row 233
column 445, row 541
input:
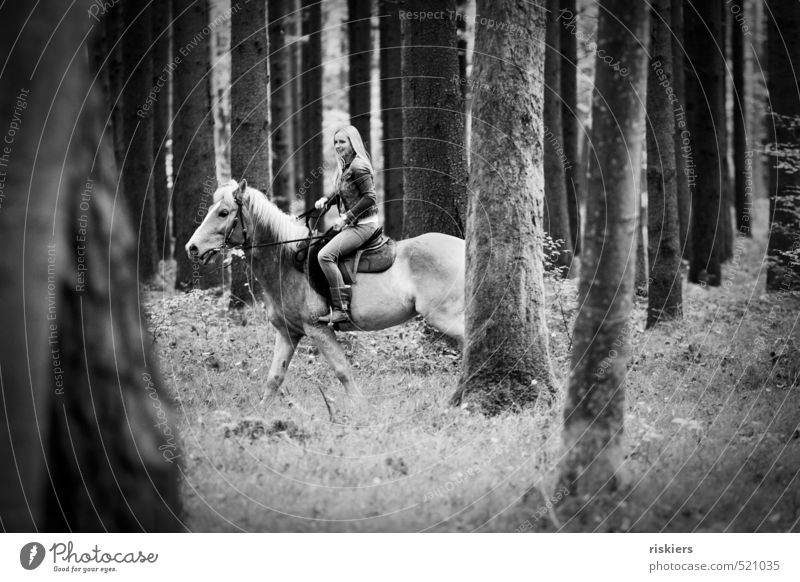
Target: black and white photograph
column 399, row 266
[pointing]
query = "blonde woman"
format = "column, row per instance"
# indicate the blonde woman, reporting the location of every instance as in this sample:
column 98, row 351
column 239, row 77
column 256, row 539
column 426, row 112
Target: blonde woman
column 354, row 193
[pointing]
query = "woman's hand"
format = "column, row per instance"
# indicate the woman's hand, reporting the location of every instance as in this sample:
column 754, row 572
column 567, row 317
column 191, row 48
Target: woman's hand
column 320, row 203
column 339, row 224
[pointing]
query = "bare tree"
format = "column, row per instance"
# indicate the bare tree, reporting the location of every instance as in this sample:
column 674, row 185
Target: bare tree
column 310, row 143
column 137, row 166
column 359, row 34
column 594, row 413
column 783, row 48
column 683, row 146
column 87, row 439
column 193, row 161
column 740, row 162
column 556, row 211
column 434, row 157
column 664, row 294
column 704, row 116
column 250, row 96
column 506, row 356
column 726, row 234
column 391, row 116
column 162, row 116
column 569, row 121
column 283, row 180
column 251, row 155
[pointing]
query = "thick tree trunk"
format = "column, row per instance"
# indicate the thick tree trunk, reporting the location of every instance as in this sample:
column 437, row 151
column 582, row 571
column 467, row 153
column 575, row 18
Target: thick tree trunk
column 664, row 295
column 703, row 156
column 392, row 117
column 556, row 212
column 283, row 180
column 311, row 130
column 250, row 97
column 251, row 157
column 683, row 148
column 193, row 140
column 359, row 34
column 162, row 117
column 595, row 407
column 570, row 122
column 506, row 356
column 83, row 446
column 742, row 164
column 137, row 169
column 783, row 68
column 434, row 156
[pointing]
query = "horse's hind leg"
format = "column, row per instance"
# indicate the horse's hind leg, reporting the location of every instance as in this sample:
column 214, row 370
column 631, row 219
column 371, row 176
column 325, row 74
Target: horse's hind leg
column 448, row 318
column 325, row 340
column 285, row 346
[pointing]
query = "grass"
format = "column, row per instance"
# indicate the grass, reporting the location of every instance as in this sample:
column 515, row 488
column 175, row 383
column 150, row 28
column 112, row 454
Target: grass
column 711, row 429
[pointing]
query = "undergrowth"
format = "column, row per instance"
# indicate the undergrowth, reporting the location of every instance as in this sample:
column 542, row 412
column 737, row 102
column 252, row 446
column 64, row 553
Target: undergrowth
column 712, row 435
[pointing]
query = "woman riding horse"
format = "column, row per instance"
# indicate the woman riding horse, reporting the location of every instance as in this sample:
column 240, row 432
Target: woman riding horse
column 354, row 193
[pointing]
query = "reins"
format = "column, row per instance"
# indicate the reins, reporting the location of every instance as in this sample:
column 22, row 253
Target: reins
column 239, row 219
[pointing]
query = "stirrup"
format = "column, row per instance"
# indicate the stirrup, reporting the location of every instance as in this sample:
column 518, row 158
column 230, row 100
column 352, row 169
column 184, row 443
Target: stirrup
column 335, row 316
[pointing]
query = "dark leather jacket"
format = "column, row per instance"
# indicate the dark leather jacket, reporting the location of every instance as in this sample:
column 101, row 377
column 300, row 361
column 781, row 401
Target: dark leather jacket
column 355, row 192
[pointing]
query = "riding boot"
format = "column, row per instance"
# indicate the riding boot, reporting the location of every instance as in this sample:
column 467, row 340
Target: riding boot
column 340, row 302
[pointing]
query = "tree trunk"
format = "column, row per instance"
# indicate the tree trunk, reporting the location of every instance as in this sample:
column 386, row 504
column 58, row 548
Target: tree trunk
column 506, row 356
column 726, row 194
column 251, row 157
column 83, row 446
column 556, row 212
column 703, row 85
column 359, row 33
column 664, row 294
column 682, row 150
column 311, row 138
column 162, row 116
column 594, row 414
column 250, row 97
column 193, row 140
column 298, row 50
column 642, row 262
column 783, row 70
column 137, row 169
column 434, row 156
column 742, row 164
column 112, row 32
column 569, row 121
column 283, row 180
column 392, row 117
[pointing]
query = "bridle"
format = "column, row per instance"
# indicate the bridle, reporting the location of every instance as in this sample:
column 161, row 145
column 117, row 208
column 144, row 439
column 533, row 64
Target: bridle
column 246, row 244
column 238, row 219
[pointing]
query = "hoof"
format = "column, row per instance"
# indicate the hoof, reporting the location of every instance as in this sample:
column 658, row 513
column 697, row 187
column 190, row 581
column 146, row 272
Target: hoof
column 272, row 397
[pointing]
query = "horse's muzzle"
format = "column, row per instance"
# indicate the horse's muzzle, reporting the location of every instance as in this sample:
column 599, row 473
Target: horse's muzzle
column 191, row 250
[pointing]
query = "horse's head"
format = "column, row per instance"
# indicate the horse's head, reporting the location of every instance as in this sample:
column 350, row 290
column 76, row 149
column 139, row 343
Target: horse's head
column 219, row 223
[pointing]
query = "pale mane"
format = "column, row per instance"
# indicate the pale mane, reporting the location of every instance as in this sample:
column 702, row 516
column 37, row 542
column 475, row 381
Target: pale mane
column 273, row 225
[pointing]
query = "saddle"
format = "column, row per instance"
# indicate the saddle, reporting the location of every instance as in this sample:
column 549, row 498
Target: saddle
column 376, row 255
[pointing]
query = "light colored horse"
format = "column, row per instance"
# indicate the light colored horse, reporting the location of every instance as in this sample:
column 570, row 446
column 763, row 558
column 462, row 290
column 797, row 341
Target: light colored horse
column 427, row 279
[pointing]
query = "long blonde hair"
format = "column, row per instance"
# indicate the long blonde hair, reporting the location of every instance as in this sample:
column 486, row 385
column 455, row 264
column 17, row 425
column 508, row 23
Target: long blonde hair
column 358, row 148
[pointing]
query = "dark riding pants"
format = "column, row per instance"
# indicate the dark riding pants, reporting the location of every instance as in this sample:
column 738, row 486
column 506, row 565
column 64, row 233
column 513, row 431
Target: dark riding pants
column 342, row 245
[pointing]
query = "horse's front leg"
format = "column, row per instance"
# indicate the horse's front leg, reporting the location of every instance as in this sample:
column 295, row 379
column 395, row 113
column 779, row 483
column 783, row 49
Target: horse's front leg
column 285, row 346
column 325, row 340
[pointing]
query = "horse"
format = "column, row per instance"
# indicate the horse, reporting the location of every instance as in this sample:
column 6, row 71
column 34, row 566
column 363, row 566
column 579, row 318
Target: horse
column 426, row 278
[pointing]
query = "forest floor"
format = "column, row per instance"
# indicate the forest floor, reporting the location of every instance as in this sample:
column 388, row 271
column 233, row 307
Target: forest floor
column 712, row 434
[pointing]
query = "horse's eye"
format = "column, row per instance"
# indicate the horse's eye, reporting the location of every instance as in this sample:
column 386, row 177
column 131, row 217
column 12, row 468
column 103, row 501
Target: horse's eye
column 223, row 213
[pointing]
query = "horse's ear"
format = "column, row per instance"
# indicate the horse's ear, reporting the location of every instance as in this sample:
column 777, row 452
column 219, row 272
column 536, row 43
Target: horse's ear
column 242, row 186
